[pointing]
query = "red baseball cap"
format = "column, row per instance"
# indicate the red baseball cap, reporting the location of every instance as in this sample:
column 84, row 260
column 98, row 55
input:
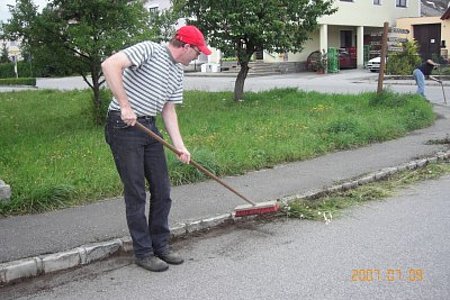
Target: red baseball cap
column 191, row 35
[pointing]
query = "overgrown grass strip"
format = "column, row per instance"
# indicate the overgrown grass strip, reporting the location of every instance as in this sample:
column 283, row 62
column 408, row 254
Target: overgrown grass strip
column 50, row 145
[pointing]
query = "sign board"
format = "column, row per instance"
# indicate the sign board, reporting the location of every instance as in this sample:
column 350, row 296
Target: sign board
column 397, row 39
column 13, row 51
column 398, row 30
column 376, row 33
column 392, row 31
column 376, row 52
column 395, row 44
column 395, row 49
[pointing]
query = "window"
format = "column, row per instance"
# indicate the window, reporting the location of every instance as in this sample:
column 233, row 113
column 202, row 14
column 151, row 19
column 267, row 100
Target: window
column 377, row 2
column 153, row 8
column 346, row 38
column 401, row 3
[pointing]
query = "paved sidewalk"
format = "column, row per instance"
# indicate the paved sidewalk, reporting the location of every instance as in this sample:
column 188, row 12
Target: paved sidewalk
column 64, row 230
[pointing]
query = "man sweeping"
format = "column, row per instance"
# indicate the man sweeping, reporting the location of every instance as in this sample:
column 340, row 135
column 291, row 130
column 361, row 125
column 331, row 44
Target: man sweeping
column 422, row 71
column 147, row 79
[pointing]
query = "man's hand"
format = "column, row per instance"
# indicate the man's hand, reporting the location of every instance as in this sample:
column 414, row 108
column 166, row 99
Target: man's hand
column 112, row 69
column 435, row 79
column 128, row 116
column 184, row 155
column 169, row 116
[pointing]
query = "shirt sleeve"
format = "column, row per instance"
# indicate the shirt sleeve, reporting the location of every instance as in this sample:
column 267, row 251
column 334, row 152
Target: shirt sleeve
column 177, row 95
column 139, row 53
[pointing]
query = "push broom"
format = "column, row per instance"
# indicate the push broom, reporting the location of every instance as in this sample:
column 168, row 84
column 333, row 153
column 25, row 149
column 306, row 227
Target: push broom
column 443, row 92
column 252, row 208
column 442, row 85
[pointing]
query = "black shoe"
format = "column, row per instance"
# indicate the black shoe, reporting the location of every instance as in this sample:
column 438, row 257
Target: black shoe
column 171, row 257
column 152, row 263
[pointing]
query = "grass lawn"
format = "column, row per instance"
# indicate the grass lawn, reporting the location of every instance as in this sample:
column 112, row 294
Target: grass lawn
column 53, row 155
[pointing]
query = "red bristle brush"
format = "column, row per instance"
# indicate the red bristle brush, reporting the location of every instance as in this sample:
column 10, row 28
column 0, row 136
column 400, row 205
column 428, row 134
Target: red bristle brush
column 242, row 210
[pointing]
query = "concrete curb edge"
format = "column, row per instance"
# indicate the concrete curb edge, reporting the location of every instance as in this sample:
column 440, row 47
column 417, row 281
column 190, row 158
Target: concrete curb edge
column 368, row 178
column 86, row 254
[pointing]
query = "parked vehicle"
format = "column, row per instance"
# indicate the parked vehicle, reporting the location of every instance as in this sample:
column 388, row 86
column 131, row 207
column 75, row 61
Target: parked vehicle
column 373, row 65
column 346, row 61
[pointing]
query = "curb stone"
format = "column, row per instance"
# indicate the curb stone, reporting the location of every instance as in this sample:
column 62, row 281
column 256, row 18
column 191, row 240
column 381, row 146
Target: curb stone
column 86, row 254
column 5, row 191
column 375, row 176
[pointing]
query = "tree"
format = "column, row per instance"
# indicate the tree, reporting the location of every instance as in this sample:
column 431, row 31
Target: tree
column 248, row 25
column 80, row 34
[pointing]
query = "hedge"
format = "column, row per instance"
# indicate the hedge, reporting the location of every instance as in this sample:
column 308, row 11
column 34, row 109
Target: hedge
column 18, row 81
column 23, row 68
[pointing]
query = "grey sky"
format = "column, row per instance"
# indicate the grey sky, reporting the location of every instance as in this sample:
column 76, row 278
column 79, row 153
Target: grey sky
column 4, row 11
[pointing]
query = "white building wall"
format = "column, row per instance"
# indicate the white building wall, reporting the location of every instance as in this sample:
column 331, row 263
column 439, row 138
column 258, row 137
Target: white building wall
column 353, row 15
column 160, row 4
column 365, row 13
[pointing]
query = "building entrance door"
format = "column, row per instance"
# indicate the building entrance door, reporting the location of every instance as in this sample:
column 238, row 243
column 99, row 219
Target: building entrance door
column 429, row 38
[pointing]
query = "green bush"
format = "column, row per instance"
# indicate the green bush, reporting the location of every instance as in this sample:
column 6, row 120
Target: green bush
column 7, row 70
column 18, row 81
column 38, row 68
column 99, row 110
column 24, row 69
column 444, row 70
column 404, row 63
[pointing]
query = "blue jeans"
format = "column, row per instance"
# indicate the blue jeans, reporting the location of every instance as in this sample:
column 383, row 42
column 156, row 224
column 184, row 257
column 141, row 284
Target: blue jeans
column 138, row 157
column 420, row 81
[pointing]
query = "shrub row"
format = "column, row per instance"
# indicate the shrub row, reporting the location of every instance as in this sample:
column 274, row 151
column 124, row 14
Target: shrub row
column 23, row 68
column 18, row 81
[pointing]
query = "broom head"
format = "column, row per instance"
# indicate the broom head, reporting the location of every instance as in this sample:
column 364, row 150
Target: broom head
column 258, row 209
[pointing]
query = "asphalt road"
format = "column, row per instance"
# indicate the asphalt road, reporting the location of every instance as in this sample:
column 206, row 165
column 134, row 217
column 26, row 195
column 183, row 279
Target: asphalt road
column 397, row 248
column 55, row 231
column 102, row 221
column 346, row 81
column 285, row 259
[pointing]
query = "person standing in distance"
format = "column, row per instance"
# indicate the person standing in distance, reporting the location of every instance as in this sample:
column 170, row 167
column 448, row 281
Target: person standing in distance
column 420, row 72
column 147, row 79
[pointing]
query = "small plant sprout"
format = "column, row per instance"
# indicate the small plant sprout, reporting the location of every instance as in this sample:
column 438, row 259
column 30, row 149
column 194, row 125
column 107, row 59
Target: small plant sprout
column 329, row 218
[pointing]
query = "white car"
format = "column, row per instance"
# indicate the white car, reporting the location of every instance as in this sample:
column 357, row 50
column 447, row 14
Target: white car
column 374, row 64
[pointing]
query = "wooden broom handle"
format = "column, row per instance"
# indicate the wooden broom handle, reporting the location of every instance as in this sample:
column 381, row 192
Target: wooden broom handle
column 192, row 162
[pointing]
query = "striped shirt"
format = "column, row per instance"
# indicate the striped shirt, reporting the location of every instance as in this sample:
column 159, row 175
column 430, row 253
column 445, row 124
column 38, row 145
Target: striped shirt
column 153, row 79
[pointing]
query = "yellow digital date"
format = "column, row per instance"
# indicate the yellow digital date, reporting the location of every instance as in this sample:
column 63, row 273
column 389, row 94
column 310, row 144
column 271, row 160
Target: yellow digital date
column 391, row 275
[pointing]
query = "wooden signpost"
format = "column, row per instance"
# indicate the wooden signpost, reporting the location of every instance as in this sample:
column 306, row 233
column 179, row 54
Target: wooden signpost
column 391, row 41
column 383, row 58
